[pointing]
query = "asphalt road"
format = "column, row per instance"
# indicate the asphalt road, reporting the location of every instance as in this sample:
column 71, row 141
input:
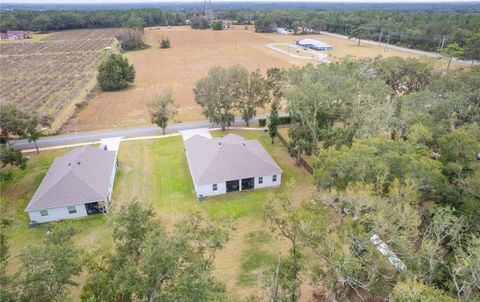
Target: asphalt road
column 411, row 50
column 73, row 138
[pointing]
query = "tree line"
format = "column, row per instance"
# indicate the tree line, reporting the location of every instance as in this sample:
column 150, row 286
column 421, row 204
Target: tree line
column 50, row 20
column 399, row 159
column 414, row 30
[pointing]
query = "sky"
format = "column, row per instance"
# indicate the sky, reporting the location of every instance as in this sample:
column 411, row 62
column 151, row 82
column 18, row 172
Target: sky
column 173, row 1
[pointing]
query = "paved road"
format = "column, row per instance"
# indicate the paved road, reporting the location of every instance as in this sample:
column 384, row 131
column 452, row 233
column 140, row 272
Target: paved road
column 73, row 138
column 411, row 50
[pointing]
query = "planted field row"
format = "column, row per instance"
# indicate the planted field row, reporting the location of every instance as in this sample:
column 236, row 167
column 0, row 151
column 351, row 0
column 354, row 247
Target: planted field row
column 84, row 34
column 46, row 76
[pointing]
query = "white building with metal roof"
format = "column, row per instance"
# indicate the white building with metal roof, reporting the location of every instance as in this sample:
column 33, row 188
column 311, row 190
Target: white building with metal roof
column 314, row 44
column 228, row 164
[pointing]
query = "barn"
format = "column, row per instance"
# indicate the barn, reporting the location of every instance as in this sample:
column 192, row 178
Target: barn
column 77, row 184
column 229, row 164
column 314, row 44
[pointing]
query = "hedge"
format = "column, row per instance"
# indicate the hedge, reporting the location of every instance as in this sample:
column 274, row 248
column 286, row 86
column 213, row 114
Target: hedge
column 262, row 122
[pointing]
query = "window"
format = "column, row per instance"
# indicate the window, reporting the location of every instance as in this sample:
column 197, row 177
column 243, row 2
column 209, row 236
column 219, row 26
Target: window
column 274, row 178
column 214, row 187
column 44, row 213
column 260, row 180
column 72, row 210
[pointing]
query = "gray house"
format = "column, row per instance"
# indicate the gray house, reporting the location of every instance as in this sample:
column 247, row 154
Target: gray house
column 77, row 184
column 231, row 163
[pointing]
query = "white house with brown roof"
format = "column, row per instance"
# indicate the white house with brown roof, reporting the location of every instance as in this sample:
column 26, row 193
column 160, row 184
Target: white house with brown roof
column 228, row 164
column 78, row 184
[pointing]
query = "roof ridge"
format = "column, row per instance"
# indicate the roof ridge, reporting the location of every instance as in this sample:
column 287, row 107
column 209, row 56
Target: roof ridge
column 53, row 186
column 213, row 157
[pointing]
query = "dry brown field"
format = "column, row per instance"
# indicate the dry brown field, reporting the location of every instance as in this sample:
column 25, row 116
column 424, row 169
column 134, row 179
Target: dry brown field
column 53, row 73
column 192, row 54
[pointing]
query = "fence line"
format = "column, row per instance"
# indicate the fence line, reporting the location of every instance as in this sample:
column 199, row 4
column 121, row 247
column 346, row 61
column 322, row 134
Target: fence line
column 301, row 160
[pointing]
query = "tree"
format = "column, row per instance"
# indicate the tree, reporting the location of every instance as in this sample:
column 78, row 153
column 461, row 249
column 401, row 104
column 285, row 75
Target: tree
column 284, row 220
column 301, row 141
column 132, row 39
column 32, row 128
column 217, row 25
column 451, row 51
column 296, row 26
column 163, row 109
column 199, row 22
column 220, row 92
column 472, row 47
column 48, row 270
column 358, row 33
column 404, row 75
column 149, row 265
column 273, row 122
column 276, row 79
column 11, row 156
column 12, row 121
column 414, row 290
column 165, row 43
column 256, row 95
column 465, row 269
column 115, row 73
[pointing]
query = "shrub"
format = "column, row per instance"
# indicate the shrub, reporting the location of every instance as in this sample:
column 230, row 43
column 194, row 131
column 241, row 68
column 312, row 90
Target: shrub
column 115, row 73
column 283, row 120
column 199, row 22
column 5, row 175
column 217, row 25
column 262, row 122
column 131, row 39
column 165, row 43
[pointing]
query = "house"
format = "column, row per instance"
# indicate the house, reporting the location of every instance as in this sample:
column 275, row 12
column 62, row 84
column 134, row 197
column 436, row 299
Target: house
column 314, row 44
column 17, row 35
column 231, row 163
column 77, row 184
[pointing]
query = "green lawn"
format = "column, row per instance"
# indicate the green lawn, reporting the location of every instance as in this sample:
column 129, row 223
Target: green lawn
column 156, row 172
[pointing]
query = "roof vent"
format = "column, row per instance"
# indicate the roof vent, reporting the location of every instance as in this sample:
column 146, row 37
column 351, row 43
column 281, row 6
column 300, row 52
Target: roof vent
column 219, row 143
column 243, row 144
column 69, row 164
column 78, row 163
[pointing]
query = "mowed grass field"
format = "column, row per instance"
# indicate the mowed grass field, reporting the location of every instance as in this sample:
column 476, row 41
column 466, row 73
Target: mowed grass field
column 192, row 54
column 156, row 172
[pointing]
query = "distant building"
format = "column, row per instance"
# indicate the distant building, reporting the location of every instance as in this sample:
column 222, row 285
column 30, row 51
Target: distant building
column 314, row 44
column 281, row 30
column 16, row 35
column 228, row 164
column 77, row 184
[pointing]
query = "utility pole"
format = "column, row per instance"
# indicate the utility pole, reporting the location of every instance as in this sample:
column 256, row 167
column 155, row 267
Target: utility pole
column 388, row 41
column 443, row 42
column 380, row 37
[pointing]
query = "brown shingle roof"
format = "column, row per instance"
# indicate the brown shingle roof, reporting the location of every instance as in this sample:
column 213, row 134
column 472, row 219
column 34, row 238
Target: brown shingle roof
column 80, row 176
column 228, row 158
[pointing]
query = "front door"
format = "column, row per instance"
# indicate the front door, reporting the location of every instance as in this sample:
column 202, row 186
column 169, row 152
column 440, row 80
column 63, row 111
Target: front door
column 233, row 185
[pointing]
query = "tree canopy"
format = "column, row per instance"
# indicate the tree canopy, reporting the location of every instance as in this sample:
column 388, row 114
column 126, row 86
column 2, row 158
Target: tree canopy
column 115, row 73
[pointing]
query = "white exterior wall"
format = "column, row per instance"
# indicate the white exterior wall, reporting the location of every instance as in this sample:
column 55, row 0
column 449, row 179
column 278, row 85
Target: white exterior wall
column 267, row 181
column 207, row 190
column 58, row 214
column 110, row 186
